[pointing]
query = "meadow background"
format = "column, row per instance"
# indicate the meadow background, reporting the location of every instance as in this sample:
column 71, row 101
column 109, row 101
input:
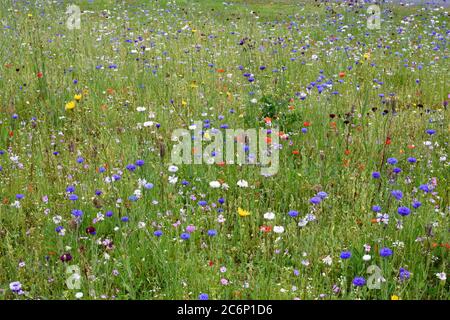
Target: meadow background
column 86, row 180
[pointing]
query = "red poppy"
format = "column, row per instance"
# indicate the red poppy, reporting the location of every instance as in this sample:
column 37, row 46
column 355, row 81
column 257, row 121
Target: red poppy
column 295, row 152
column 306, row 124
column 265, row 229
column 40, row 74
column 388, row 141
column 341, row 74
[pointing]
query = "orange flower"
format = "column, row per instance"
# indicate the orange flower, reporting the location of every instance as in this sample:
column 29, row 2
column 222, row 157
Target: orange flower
column 341, row 74
column 295, row 152
column 347, row 152
column 220, row 70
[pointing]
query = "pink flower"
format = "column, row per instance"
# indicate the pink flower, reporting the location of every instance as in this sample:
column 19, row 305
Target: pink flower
column 224, row 281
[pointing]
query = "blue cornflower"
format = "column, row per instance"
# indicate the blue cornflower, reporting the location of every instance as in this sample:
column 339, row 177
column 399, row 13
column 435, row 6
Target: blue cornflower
column 403, row 211
column 404, row 274
column 376, row 175
column 345, row 255
column 315, row 200
column 397, row 194
column 376, row 208
column 98, row 192
column 359, row 281
column 396, row 170
column 385, row 252
column 148, row 185
column 392, row 161
column 73, row 197
column 77, row 213
column 158, row 233
column 412, row 160
column 125, row 219
column 322, row 194
column 203, row 296
column 212, row 233
column 430, row 131
column 140, row 163
column 101, row 169
column 424, row 188
column 80, row 160
column 131, row 167
column 293, row 213
column 221, row 200
column 20, row 196
column 185, row 236
column 133, row 198
column 304, row 130
column 202, row 203
column 109, row 214
column 416, row 204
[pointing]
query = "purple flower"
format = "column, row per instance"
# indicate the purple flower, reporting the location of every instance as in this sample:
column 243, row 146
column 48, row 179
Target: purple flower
column 70, row 189
column 345, row 255
column 430, row 131
column 315, row 200
column 396, row 170
column 190, row 228
column 16, row 287
column 202, row 203
column 20, row 196
column 424, row 188
column 125, row 219
column 140, row 163
column 109, row 214
column 212, row 233
column 412, row 160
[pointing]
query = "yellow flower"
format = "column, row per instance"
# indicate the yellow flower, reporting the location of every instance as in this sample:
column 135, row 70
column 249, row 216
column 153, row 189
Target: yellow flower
column 395, row 297
column 367, row 56
column 77, row 97
column 243, row 213
column 70, row 105
column 183, row 103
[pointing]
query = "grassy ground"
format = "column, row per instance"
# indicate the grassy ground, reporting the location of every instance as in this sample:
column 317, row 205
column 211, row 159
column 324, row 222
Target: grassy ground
column 362, row 95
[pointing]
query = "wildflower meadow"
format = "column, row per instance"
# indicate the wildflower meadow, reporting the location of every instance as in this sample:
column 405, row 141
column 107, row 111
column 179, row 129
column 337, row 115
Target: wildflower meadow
column 195, row 150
